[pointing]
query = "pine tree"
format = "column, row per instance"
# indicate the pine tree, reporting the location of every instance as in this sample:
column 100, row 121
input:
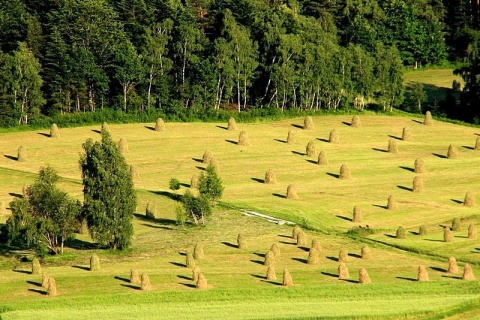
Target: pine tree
column 110, row 198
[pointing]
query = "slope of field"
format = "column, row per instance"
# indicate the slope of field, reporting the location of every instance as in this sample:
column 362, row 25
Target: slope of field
column 437, row 82
column 236, row 277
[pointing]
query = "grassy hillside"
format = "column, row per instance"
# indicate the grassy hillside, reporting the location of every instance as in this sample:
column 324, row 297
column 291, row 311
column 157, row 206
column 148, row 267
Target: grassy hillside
column 238, row 288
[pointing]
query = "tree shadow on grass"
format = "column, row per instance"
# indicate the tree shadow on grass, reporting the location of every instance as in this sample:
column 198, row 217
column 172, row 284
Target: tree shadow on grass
column 22, row 271
column 297, row 126
column 405, row 188
column 468, row 147
column 82, row 245
column 16, row 195
column 298, row 153
column 344, row 218
column 333, row 175
column 333, row 275
column 280, row 140
column 258, row 276
column 258, row 180
column 457, row 201
column 10, row 157
column 332, row 258
column 229, row 244
column 407, row 168
column 38, row 284
column 142, row 217
column 156, row 226
column 438, row 269
column 257, row 261
column 166, row 194
column 178, row 264
column 44, row 134
column 408, row 279
column 394, row 137
column 232, row 141
column 42, row 292
column 122, row 279
column 131, row 286
column 149, row 128
column 278, row 195
column 441, row 156
column 380, row 150
column 81, row 267
column 181, row 276
column 300, row 260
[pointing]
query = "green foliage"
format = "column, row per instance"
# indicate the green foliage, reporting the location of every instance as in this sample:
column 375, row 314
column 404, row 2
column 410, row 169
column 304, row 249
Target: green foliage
column 174, row 184
column 110, row 198
column 210, row 185
column 195, row 208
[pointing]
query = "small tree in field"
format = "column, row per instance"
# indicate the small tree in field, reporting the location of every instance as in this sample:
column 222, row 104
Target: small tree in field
column 210, row 185
column 195, row 208
column 174, row 185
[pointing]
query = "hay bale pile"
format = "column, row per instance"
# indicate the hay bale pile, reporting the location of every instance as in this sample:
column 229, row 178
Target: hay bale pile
column 291, row 192
column 134, row 172
column 241, row 241
column 54, row 131
column 322, row 159
column 477, row 144
column 290, row 137
column 232, row 124
column 456, row 224
column 287, row 278
column 316, row 245
column 270, row 177
column 422, row 274
column 452, row 152
column 198, row 252
column 243, row 139
column 45, row 280
column 194, row 182
column 357, row 214
column 189, row 260
column 150, row 211
column 105, row 127
column 145, row 284
column 295, row 232
column 52, row 287
column 343, row 256
column 301, row 239
column 94, row 263
column 195, row 272
column 276, row 251
column 422, row 230
column 392, row 146
column 310, row 149
column 123, row 146
column 468, row 272
column 201, row 282
column 21, row 154
column 269, row 259
column 401, row 234
column 271, row 275
column 391, row 202
column 207, row 157
column 345, row 173
column 406, row 134
column 420, row 166
column 134, row 277
column 313, row 257
column 36, row 266
column 469, row 200
column 447, row 235
column 452, row 265
column 428, row 121
column 366, row 252
column 356, row 122
column 160, row 125
column 334, row 138
column 472, row 231
column 417, row 184
column 308, row 123
column 363, row 276
column 343, row 271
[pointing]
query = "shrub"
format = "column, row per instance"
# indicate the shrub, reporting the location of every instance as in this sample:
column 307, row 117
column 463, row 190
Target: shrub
column 22, row 154
column 422, row 231
column 334, row 138
column 287, row 278
column 150, row 211
column 345, row 172
column 452, row 152
column 452, row 265
column 417, row 184
column 406, row 134
column 469, row 199
column 36, row 266
column 322, row 159
column 105, row 127
column 468, row 272
column 232, row 124
column 343, row 255
column 456, row 224
column 94, row 263
column 195, row 273
column 420, row 166
column 123, row 146
column 313, row 257
column 198, row 251
column 207, row 157
column 356, row 123
column 243, row 139
column 290, row 137
column 269, row 259
column 241, row 241
column 45, row 280
column 210, row 185
column 271, row 275
column 447, row 235
column 174, row 184
column 54, row 131
column 291, row 192
column 391, row 203
column 145, row 284
column 422, row 274
column 357, row 214
column 301, row 239
column 477, row 144
column 308, row 123
column 276, row 251
column 134, row 278
column 134, row 172
column 181, row 216
column 195, row 208
column 343, row 271
column 295, row 232
column 363, row 276
column 472, row 231
column 160, row 125
column 194, row 182
column 428, row 119
column 401, row 233
column 310, row 150
column 392, row 146
column 270, row 177
column 316, row 245
column 366, row 252
column 52, row 287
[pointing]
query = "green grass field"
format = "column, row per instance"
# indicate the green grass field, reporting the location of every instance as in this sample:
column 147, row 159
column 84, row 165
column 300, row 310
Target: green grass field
column 238, row 288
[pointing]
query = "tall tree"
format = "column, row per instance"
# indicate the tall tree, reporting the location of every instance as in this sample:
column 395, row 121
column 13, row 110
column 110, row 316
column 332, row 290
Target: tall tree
column 109, row 196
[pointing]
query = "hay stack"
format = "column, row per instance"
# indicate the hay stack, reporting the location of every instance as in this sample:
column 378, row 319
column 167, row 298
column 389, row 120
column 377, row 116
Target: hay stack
column 366, row 252
column 214, row 164
column 343, row 271
column 134, row 277
column 243, row 139
column 345, row 172
column 322, row 159
column 356, row 123
column 452, row 266
column 357, row 214
column 21, row 154
column 313, row 257
column 54, row 131
column 311, row 150
column 452, row 152
column 392, row 146
column 52, row 287
column 290, row 137
column 468, row 272
column 25, row 190
column 301, row 239
column 194, row 182
column 391, row 203
column 134, row 172
column 406, row 134
column 428, row 121
column 36, row 266
column 401, row 234
column 160, row 125
column 447, row 235
column 422, row 274
column 420, row 166
column 287, row 278
column 472, row 231
column 45, row 280
column 417, row 184
column 456, row 224
column 334, row 138
column 422, row 231
column 477, row 144
column 343, row 256
column 270, row 177
column 363, row 276
column 232, row 124
column 241, row 241
column 123, row 146
column 201, row 282
column 195, row 273
column 295, row 232
column 105, row 127
column 198, row 251
column 316, row 245
column 145, row 284
column 207, row 157
column 189, row 260
column 469, row 200
column 94, row 263
column 271, row 275
column 308, row 123
column 269, row 259
column 276, row 251
column 291, row 192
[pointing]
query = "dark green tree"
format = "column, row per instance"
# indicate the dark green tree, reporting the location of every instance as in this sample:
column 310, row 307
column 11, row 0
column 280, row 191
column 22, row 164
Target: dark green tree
column 195, row 208
column 210, row 185
column 109, row 196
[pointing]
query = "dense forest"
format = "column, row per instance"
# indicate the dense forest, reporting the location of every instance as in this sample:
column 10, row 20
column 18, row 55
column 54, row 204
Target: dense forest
column 64, row 57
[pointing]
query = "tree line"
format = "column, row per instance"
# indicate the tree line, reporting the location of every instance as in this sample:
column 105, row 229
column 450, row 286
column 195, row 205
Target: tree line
column 81, row 56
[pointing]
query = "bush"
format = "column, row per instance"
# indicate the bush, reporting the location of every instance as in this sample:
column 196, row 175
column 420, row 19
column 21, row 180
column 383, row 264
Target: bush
column 174, row 184
column 195, row 208
column 181, row 216
column 210, row 185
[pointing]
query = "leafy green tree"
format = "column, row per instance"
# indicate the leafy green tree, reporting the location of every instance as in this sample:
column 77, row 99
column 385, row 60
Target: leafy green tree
column 110, row 198
column 210, row 185
column 174, row 184
column 46, row 217
column 418, row 94
column 196, row 208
